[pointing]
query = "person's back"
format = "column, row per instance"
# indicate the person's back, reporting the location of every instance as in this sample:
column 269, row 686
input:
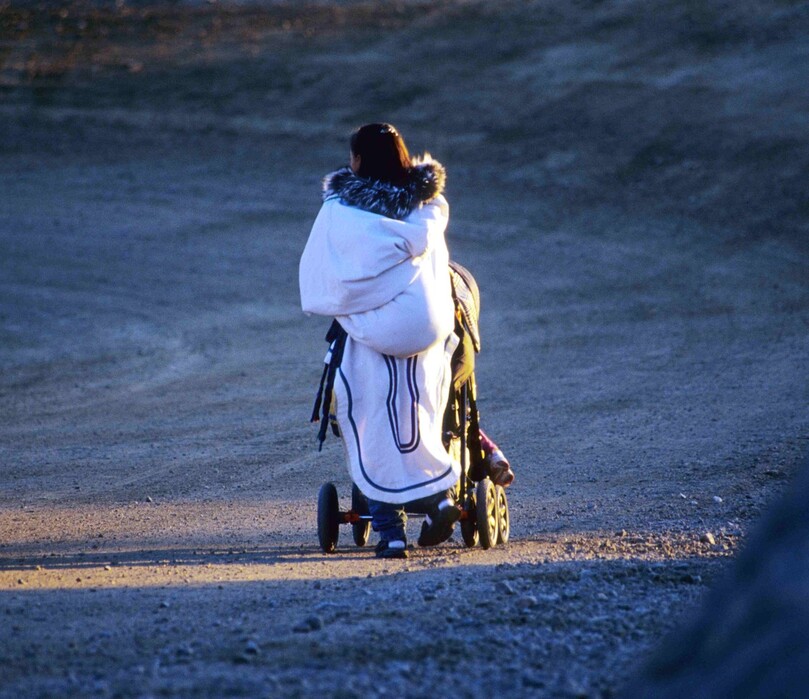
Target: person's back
column 385, row 279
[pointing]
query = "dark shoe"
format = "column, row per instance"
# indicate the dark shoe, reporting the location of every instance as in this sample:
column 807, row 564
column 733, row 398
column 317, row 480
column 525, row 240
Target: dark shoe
column 439, row 524
column 391, row 549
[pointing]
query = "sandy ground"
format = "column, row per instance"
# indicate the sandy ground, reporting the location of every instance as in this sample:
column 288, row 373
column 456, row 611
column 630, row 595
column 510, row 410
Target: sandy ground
column 627, row 182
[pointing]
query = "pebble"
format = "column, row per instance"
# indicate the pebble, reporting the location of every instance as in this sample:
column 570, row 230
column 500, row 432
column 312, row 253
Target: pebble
column 533, row 680
column 251, row 648
column 164, row 605
column 527, row 602
column 548, row 597
column 310, row 623
column 328, row 606
column 708, row 538
column 717, row 499
column 504, row 588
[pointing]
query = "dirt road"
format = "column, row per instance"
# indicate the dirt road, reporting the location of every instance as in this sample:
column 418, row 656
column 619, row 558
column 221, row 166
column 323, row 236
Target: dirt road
column 627, row 182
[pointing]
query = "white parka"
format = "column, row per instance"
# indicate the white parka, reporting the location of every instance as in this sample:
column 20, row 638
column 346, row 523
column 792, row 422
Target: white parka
column 384, row 279
column 376, row 259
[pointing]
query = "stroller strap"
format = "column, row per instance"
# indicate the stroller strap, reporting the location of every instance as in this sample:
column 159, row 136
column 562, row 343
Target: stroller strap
column 336, row 337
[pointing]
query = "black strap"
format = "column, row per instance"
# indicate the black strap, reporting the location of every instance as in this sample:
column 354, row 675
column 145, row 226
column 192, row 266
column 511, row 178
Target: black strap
column 336, row 337
column 319, row 398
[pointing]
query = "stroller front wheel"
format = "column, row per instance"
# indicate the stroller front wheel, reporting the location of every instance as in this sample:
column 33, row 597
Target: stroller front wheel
column 503, row 518
column 488, row 517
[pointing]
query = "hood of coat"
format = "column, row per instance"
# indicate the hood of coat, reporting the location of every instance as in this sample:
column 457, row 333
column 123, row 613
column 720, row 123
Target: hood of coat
column 425, row 182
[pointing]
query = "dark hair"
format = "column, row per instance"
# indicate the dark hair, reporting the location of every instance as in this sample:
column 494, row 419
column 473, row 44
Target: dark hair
column 383, row 153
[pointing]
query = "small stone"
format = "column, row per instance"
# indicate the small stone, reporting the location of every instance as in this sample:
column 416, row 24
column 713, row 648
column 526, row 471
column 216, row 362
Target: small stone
column 577, row 689
column 310, row 623
column 683, row 496
column 602, row 596
column 717, row 499
column 20, row 581
column 550, row 597
column 149, row 498
column 527, row 602
column 621, row 533
column 327, row 606
column 164, row 605
column 533, row 680
column 251, row 648
column 429, row 596
column 708, row 538
column 504, row 588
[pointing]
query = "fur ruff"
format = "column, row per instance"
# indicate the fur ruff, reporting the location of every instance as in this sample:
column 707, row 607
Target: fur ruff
column 425, row 182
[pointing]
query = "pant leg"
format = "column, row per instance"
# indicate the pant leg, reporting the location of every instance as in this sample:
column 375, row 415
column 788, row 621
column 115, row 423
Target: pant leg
column 430, row 504
column 388, row 520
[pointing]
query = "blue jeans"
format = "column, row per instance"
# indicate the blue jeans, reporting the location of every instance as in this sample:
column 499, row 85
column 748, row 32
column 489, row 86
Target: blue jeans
column 389, row 520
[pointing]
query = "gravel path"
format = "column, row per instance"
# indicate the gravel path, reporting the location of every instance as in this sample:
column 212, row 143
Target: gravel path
column 627, row 184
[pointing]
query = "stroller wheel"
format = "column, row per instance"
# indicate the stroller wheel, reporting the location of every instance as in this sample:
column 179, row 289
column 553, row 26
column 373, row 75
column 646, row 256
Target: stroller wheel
column 488, row 518
column 328, row 517
column 469, row 525
column 359, row 503
column 503, row 521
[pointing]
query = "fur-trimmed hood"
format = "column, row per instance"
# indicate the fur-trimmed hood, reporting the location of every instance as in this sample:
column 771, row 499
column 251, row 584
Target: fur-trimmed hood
column 425, row 182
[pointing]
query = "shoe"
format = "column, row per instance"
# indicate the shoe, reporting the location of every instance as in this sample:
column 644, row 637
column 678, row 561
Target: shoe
column 439, row 525
column 391, row 549
column 498, row 469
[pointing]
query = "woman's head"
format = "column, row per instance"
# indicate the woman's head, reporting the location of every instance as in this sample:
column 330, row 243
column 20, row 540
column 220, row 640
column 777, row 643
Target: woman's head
column 378, row 152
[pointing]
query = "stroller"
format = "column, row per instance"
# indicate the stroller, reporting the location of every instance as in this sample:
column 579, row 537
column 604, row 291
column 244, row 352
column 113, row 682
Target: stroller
column 484, row 506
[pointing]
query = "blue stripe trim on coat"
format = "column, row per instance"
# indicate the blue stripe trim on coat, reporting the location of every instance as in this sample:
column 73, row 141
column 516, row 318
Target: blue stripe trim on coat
column 393, row 413
column 381, row 488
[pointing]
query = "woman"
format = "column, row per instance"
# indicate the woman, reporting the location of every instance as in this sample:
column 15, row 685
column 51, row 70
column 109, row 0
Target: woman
column 376, row 260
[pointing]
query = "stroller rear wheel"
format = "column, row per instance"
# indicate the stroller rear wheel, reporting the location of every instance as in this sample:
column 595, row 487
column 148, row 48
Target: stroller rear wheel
column 361, row 530
column 488, row 518
column 328, row 517
column 503, row 519
column 469, row 525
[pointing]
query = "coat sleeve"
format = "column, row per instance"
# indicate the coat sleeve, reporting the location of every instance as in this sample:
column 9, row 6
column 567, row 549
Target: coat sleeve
column 424, row 225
